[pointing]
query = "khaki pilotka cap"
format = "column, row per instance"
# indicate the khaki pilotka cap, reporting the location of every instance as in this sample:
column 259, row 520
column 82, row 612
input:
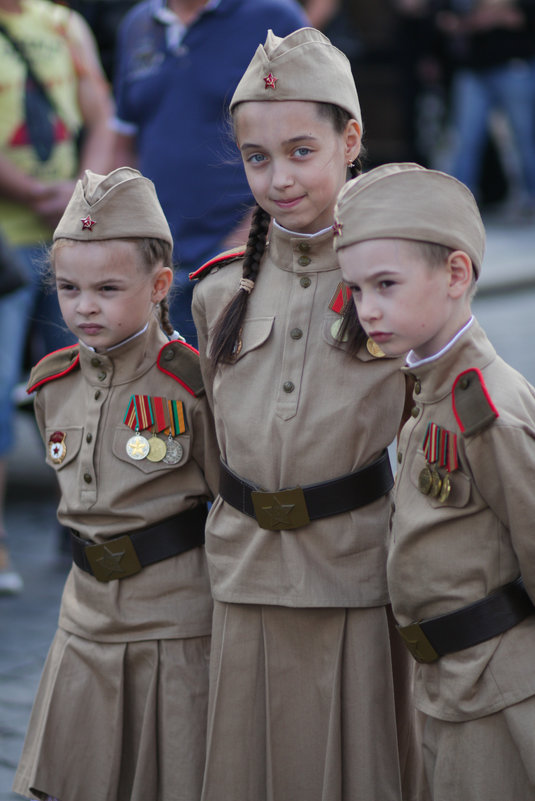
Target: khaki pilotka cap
column 407, row 201
column 119, row 205
column 302, row 66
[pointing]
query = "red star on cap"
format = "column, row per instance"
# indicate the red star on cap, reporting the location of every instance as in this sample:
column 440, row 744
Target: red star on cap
column 87, row 222
column 270, row 81
column 337, row 228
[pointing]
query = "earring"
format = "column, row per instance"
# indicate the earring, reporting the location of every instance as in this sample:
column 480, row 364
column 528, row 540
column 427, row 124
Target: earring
column 349, row 163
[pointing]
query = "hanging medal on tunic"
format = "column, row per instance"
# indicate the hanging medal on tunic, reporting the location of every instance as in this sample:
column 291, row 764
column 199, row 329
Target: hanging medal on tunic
column 177, row 425
column 440, row 450
column 156, row 414
column 139, row 417
column 157, row 449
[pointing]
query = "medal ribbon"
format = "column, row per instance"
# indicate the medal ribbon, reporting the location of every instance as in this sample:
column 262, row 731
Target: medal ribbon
column 157, row 413
column 177, row 419
column 440, row 447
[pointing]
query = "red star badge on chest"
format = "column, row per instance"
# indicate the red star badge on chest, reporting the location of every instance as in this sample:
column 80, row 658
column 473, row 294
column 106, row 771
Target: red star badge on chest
column 87, row 222
column 270, row 81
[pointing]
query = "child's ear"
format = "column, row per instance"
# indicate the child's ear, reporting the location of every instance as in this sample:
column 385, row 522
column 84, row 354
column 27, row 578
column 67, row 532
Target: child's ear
column 163, row 278
column 460, row 270
column 352, row 136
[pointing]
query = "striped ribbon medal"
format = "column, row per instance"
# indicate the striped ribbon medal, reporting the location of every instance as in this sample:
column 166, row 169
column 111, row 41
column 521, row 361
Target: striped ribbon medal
column 155, row 414
column 440, row 450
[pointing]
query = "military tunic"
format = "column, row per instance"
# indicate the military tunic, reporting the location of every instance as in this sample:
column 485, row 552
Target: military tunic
column 129, row 661
column 300, row 631
column 447, row 554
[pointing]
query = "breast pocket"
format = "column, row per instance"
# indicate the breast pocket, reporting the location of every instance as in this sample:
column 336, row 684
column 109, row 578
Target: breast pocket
column 253, row 334
column 459, row 484
column 62, row 446
column 176, row 454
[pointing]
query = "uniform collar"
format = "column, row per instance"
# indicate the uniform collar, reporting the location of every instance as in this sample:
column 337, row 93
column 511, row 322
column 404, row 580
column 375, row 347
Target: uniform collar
column 126, row 361
column 435, row 376
column 175, row 30
column 300, row 253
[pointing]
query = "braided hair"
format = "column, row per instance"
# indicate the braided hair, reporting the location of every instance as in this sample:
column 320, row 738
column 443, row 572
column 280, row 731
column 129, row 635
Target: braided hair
column 228, row 326
column 157, row 252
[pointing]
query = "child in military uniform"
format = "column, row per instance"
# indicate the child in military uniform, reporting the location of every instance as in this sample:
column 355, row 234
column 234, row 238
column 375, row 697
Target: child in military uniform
column 121, row 707
column 302, row 696
column 461, row 561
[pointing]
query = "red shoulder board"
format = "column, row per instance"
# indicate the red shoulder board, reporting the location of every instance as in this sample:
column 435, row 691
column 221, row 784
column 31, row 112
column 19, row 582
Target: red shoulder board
column 472, row 405
column 180, row 361
column 220, row 261
column 54, row 365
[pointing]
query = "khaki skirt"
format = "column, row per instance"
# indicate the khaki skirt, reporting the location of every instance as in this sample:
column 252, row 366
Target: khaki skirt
column 118, row 722
column 303, row 707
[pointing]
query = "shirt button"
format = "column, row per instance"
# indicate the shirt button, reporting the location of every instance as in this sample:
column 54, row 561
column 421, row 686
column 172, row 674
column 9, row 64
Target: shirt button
column 400, row 457
column 415, row 411
column 296, row 333
column 101, row 376
column 88, row 437
column 97, row 394
column 168, row 354
column 288, row 386
column 87, row 478
column 305, row 282
column 304, row 261
column 418, row 387
column 304, row 247
column 95, row 362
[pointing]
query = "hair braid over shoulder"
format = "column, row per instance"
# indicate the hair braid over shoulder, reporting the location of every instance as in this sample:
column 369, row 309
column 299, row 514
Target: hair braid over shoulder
column 227, row 329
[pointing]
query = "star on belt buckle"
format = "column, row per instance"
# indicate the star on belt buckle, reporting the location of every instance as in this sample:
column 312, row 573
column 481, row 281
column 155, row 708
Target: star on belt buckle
column 115, row 559
column 276, row 511
column 417, row 643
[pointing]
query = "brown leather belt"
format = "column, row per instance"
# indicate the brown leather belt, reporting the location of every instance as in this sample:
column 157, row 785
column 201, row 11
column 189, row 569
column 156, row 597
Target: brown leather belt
column 123, row 556
column 430, row 639
column 292, row 508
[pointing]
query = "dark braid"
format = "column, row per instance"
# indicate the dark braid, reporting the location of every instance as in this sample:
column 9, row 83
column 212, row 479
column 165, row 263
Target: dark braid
column 228, row 326
column 351, row 330
column 153, row 252
column 165, row 322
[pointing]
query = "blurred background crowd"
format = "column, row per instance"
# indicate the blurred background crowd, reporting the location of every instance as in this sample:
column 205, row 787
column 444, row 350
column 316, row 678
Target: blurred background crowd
column 100, row 83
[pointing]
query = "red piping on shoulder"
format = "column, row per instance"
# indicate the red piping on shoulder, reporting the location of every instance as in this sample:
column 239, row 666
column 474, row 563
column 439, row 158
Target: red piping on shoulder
column 214, row 262
column 172, row 375
column 483, row 387
column 56, row 375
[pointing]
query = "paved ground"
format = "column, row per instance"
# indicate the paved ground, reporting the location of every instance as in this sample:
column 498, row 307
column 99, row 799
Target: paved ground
column 27, row 622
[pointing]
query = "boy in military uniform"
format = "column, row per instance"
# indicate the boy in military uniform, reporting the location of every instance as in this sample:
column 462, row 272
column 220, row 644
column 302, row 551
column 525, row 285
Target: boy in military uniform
column 462, row 554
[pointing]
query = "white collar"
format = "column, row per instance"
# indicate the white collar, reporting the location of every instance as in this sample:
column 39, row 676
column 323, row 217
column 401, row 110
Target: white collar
column 296, row 233
column 175, row 28
column 119, row 344
column 412, row 361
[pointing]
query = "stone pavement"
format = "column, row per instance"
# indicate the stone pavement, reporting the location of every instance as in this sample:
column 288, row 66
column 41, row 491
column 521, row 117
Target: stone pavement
column 27, row 622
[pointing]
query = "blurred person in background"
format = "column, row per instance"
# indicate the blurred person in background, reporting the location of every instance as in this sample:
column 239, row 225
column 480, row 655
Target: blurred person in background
column 178, row 64
column 54, row 110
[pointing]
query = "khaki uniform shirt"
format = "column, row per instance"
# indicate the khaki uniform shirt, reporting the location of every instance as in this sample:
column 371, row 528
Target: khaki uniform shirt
column 444, row 556
column 105, row 493
column 295, row 409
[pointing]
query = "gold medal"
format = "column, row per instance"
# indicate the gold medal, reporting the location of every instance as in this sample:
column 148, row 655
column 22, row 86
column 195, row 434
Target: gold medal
column 137, row 447
column 335, row 331
column 374, row 349
column 157, row 449
column 425, row 480
column 436, row 483
column 446, row 489
column 174, row 451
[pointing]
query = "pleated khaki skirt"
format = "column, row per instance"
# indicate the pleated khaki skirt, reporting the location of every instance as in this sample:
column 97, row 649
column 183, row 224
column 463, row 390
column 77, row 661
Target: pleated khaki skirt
column 118, row 722
column 303, row 707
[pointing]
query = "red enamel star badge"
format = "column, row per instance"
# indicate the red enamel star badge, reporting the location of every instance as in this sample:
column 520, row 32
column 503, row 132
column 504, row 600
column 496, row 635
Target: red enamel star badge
column 87, row 222
column 337, row 228
column 270, row 81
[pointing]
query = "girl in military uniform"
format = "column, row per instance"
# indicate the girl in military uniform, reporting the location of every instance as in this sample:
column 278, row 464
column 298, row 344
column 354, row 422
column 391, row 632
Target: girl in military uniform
column 121, row 708
column 302, row 693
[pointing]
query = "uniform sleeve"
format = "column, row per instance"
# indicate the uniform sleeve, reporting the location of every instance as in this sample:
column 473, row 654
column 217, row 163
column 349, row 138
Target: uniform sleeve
column 502, row 461
column 201, row 324
column 205, row 448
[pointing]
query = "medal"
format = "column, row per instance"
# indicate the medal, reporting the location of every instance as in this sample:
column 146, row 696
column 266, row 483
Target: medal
column 374, row 349
column 137, row 447
column 57, row 450
column 425, row 480
column 446, row 489
column 335, row 331
column 157, row 449
column 174, row 451
column 436, row 483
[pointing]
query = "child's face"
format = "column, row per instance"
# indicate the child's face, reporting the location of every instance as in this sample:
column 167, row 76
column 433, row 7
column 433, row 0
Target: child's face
column 104, row 292
column 294, row 160
column 402, row 303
